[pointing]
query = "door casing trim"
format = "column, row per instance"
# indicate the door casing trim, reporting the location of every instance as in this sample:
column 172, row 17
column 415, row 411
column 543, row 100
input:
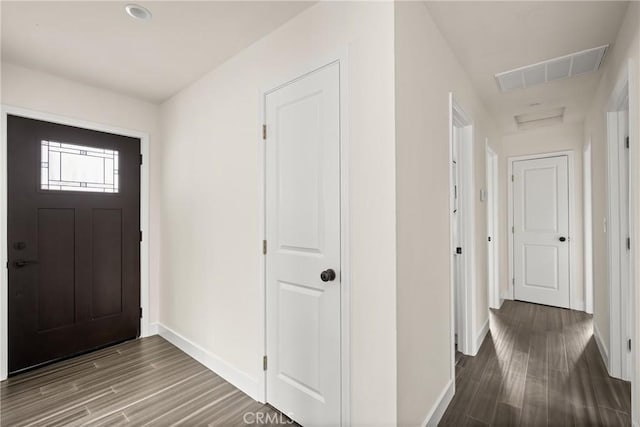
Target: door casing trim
column 493, row 225
column 573, row 303
column 339, row 56
column 587, row 192
column 6, row 110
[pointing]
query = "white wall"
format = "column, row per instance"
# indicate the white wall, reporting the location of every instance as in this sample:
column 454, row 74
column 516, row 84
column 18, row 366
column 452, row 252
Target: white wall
column 625, row 48
column 565, row 137
column 210, row 201
column 426, row 71
column 34, row 90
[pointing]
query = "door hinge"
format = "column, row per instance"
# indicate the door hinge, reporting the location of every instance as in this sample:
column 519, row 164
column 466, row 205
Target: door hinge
column 141, row 312
column 140, row 158
column 513, row 178
column 489, row 238
column 628, row 243
column 513, row 281
column 513, row 230
column 264, row 132
column 264, row 247
column 264, row 363
column 629, row 344
column 626, row 142
column 141, row 235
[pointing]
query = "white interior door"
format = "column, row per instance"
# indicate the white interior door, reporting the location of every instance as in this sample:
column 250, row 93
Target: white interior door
column 462, row 231
column 625, row 258
column 303, row 240
column 458, row 268
column 619, row 247
column 541, row 230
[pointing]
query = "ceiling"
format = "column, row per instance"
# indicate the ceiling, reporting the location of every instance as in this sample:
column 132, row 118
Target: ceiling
column 99, row 44
column 491, row 37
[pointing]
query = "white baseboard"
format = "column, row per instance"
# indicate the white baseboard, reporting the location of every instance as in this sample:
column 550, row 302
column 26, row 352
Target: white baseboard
column 230, row 373
column 603, row 349
column 437, row 411
column 153, row 329
column 506, row 296
column 480, row 337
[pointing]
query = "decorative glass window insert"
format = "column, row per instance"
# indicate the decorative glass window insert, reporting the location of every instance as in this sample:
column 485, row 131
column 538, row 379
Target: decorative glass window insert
column 69, row 167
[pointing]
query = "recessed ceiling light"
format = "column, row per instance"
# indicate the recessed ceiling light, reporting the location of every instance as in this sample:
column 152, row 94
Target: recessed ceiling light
column 138, row 12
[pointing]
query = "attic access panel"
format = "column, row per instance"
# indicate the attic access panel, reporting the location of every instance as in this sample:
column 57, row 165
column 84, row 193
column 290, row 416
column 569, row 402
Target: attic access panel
column 553, row 69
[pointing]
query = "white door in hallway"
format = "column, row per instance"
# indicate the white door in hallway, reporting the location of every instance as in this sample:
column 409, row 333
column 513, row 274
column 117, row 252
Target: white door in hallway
column 303, row 248
column 541, row 230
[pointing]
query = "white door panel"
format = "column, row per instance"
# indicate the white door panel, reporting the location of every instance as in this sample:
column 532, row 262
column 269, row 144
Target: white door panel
column 541, row 266
column 303, row 235
column 540, row 211
column 541, row 221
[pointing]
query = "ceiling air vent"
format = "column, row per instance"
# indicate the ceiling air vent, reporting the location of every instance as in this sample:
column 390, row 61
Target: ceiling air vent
column 554, row 69
column 541, row 118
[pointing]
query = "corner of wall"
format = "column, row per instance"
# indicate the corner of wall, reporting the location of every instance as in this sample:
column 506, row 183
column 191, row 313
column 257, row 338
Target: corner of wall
column 230, row 373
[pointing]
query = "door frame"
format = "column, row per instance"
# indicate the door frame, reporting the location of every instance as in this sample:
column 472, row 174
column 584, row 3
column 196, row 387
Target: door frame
column 574, row 304
column 6, row 110
column 588, row 224
column 493, row 227
column 622, row 297
column 341, row 58
column 459, row 118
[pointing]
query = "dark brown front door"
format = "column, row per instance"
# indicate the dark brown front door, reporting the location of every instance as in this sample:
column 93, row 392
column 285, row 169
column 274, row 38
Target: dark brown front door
column 73, row 240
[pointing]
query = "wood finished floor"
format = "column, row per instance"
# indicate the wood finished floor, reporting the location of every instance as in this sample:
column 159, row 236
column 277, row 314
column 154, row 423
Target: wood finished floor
column 539, row 366
column 146, row 382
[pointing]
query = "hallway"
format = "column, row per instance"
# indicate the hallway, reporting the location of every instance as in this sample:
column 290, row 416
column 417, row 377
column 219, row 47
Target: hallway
column 539, row 366
column 352, row 213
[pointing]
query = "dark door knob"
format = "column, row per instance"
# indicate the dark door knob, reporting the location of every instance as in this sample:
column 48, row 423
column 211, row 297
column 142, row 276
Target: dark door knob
column 328, row 275
column 563, row 239
column 23, row 263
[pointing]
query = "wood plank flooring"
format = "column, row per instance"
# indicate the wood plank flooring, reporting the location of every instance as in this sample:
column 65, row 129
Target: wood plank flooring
column 146, row 382
column 539, row 366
